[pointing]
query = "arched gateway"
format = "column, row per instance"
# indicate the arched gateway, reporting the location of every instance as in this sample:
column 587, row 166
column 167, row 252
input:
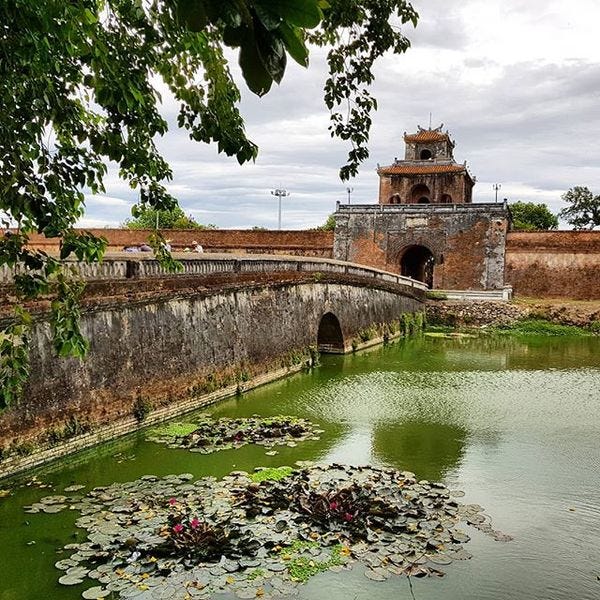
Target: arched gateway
column 330, row 338
column 417, row 262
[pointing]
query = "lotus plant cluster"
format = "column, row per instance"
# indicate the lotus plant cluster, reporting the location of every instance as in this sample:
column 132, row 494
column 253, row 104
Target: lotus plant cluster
column 262, row 538
column 188, row 535
column 349, row 508
column 210, row 435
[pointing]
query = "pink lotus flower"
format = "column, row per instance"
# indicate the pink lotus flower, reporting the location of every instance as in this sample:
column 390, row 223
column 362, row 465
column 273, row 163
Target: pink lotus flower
column 178, row 528
column 333, row 505
column 194, row 523
column 348, row 517
column 172, row 501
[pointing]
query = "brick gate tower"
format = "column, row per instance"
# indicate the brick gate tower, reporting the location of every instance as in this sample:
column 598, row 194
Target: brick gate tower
column 425, row 225
column 428, row 174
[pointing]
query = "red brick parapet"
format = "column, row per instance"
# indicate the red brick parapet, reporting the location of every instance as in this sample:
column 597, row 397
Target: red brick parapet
column 240, row 241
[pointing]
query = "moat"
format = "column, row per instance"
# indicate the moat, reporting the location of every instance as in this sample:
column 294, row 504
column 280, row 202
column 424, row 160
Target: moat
column 513, row 422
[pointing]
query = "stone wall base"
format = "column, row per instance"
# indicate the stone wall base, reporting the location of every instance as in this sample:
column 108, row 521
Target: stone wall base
column 17, row 464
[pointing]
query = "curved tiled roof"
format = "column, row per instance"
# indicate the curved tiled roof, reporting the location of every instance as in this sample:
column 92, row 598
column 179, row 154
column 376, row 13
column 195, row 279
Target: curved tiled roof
column 426, row 135
column 426, row 169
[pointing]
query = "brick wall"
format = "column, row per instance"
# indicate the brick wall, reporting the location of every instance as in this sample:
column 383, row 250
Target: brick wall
column 302, row 243
column 457, row 186
column 467, row 241
column 554, row 264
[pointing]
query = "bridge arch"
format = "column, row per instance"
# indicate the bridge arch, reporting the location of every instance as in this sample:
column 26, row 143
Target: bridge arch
column 417, row 262
column 330, row 338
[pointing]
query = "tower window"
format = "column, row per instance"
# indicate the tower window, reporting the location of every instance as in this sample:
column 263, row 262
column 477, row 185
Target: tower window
column 425, row 154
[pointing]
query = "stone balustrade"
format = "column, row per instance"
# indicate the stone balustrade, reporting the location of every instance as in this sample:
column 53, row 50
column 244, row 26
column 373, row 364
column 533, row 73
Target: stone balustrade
column 122, row 266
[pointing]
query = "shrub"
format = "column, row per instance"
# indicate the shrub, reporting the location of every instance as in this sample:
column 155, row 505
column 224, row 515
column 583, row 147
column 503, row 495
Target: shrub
column 433, row 295
column 141, row 409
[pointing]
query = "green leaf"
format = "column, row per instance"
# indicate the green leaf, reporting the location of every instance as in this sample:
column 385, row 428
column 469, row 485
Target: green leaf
column 303, row 13
column 192, row 14
column 253, row 68
column 294, row 43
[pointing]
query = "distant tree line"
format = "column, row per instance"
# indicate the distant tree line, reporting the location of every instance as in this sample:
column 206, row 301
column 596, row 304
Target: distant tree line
column 582, row 212
column 173, row 218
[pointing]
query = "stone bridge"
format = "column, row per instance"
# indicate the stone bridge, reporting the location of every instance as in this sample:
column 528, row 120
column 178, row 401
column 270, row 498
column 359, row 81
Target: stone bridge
column 163, row 343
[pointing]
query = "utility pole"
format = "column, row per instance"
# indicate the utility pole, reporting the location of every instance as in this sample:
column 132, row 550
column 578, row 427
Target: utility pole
column 349, row 190
column 280, row 193
column 496, row 187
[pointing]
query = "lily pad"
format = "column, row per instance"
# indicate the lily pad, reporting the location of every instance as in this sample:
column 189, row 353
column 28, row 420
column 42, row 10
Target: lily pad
column 95, row 592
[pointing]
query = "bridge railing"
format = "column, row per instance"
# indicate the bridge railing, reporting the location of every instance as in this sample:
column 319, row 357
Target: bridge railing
column 123, row 267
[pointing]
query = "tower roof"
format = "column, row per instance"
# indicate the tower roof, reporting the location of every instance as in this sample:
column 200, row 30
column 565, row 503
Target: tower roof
column 427, row 135
column 408, row 168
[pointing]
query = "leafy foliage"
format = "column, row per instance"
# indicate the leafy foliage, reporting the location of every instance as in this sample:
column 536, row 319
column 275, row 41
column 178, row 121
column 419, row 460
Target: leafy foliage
column 359, row 31
column 351, row 508
column 584, row 209
column 329, row 224
column 78, row 83
column 188, row 536
column 528, row 216
column 14, row 358
column 174, row 218
column 540, row 327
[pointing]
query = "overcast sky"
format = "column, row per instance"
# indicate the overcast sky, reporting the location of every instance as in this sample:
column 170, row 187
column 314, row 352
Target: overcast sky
column 516, row 82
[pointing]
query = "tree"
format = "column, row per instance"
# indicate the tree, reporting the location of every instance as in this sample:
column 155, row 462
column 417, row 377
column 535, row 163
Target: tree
column 584, row 209
column 77, row 90
column 329, row 224
column 528, row 216
column 173, row 218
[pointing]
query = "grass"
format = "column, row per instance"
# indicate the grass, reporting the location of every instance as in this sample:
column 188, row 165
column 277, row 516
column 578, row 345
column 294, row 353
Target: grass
column 432, row 295
column 271, row 474
column 540, row 327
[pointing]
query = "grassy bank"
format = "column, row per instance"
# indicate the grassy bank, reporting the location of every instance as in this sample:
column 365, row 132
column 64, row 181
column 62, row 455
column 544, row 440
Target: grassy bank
column 540, row 327
column 521, row 327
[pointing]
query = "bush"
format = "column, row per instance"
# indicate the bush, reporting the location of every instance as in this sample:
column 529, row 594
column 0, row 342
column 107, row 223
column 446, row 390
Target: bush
column 141, row 409
column 432, row 295
column 542, row 327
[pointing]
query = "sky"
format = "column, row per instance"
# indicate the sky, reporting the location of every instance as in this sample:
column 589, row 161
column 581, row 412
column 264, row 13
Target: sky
column 516, row 82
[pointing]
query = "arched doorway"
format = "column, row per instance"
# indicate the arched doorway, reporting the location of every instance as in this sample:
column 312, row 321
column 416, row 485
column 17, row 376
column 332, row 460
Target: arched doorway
column 420, row 194
column 425, row 154
column 446, row 199
column 417, row 262
column 330, row 338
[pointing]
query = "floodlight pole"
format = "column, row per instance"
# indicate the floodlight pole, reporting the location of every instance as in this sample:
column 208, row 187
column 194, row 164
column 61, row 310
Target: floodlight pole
column 280, row 193
column 496, row 187
column 349, row 190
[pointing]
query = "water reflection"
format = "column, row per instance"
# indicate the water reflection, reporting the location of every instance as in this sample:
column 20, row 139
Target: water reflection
column 431, row 450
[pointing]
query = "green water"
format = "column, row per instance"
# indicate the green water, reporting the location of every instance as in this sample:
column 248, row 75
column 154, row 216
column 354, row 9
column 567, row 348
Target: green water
column 515, row 423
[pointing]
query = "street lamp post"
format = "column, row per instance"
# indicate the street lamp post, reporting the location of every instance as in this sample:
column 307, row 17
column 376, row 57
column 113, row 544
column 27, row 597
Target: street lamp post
column 349, row 190
column 496, row 187
column 280, row 193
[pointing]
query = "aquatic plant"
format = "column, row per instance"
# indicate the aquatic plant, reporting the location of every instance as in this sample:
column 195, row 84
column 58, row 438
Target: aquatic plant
column 210, row 435
column 190, row 537
column 272, row 474
column 232, row 535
